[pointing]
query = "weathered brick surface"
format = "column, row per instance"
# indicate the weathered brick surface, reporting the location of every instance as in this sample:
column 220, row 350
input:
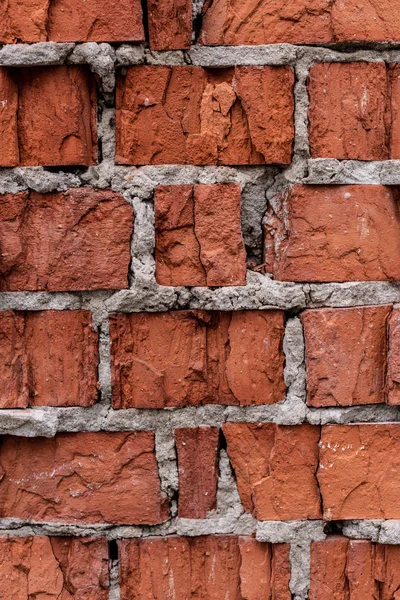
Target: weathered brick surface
column 82, row 478
column 198, row 236
column 359, row 471
column 346, row 355
column 77, row 240
column 189, row 358
column 179, row 115
column 298, row 21
column 275, row 469
column 197, row 449
column 334, row 233
column 343, row 569
column 354, row 108
column 393, row 366
column 218, row 567
column 64, row 21
column 48, row 116
column 54, row 568
column 47, row 358
column 170, row 24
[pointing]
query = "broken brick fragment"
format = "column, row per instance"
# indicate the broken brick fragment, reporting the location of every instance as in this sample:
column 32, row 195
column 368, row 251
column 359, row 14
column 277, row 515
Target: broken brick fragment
column 191, row 115
column 198, row 236
column 77, row 478
column 217, row 567
column 197, row 449
column 54, row 568
column 170, row 24
column 76, row 240
column 275, row 469
column 190, row 358
column 346, row 355
column 334, row 233
column 48, row 117
column 48, row 358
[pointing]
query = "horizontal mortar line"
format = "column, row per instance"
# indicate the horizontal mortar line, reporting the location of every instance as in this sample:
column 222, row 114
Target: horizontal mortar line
column 383, row 530
column 260, row 293
column 124, row 54
column 320, row 171
column 49, row 421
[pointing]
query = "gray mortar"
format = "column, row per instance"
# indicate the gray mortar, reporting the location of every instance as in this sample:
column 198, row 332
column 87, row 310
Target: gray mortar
column 260, row 186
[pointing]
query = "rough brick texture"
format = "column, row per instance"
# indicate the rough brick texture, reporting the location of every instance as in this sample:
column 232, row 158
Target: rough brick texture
column 275, row 469
column 198, row 236
column 354, row 108
column 334, row 233
column 54, row 568
column 298, row 21
column 217, row 567
column 179, row 115
column 47, row 358
column 48, row 116
column 359, row 471
column 82, row 478
column 70, row 21
column 189, row 358
column 197, row 449
column 393, row 373
column 346, row 355
column 77, row 240
column 343, row 569
column 170, row 24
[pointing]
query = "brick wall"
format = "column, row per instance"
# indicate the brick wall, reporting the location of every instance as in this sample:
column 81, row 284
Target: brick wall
column 199, row 300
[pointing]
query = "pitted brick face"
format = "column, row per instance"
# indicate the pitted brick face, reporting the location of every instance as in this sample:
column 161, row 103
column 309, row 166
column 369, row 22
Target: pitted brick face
column 334, row 233
column 218, row 567
column 48, row 358
column 48, row 116
column 275, row 469
column 198, row 237
column 346, row 569
column 353, row 460
column 346, row 355
column 190, row 358
column 354, row 111
column 170, row 24
column 54, row 568
column 82, row 478
column 77, row 240
column 190, row 115
column 197, row 449
column 227, row 22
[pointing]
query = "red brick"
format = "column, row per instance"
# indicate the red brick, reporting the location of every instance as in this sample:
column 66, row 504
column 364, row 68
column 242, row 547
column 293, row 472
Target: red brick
column 52, row 567
column 77, row 240
column 74, row 21
column 343, row 569
column 189, row 358
column 275, row 469
column 347, row 116
column 334, row 233
column 217, row 567
column 82, row 478
column 198, row 235
column 393, row 374
column 359, row 471
column 9, row 156
column 170, row 24
column 234, row 22
column 47, row 358
column 197, row 449
column 184, row 114
column 346, row 355
column 49, row 118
